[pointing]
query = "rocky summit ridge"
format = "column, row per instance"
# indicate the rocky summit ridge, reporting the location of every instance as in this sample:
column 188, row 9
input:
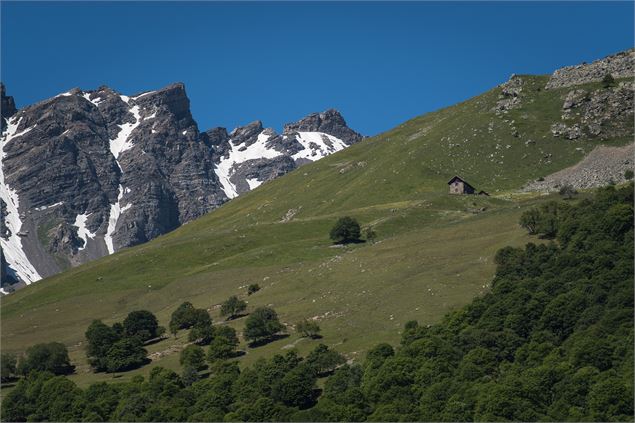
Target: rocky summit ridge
column 86, row 173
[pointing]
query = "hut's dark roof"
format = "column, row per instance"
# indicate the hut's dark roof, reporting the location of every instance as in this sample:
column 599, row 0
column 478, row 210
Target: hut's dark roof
column 462, row 180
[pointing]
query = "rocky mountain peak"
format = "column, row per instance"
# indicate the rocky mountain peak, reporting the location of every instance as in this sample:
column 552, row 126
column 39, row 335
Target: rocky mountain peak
column 7, row 104
column 172, row 97
column 247, row 132
column 216, row 136
column 330, row 122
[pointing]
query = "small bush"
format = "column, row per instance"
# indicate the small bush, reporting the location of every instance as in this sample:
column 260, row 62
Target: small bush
column 568, row 192
column 628, row 175
column 253, row 288
column 608, row 81
column 370, row 235
column 308, row 328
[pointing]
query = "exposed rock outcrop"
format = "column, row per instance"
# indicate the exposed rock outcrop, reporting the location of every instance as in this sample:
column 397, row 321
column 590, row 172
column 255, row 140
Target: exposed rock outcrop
column 7, row 106
column 63, row 240
column 620, row 65
column 509, row 98
column 604, row 113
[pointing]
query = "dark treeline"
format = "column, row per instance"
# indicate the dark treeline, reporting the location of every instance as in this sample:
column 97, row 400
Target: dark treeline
column 551, row 341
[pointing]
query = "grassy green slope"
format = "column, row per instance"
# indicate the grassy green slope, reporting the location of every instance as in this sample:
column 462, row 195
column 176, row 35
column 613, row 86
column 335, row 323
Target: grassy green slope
column 434, row 252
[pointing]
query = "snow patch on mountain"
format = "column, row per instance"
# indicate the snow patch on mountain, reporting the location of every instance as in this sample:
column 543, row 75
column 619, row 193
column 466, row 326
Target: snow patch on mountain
column 82, row 230
column 95, row 101
column 317, row 145
column 122, row 141
column 253, row 183
column 49, row 206
column 118, row 145
column 239, row 154
column 142, row 95
column 12, row 246
column 11, row 131
column 115, row 211
column 66, row 94
column 152, row 116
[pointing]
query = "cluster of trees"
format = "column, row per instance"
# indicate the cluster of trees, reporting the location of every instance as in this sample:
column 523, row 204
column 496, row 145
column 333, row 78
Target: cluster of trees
column 551, row 341
column 281, row 388
column 119, row 347
column 222, row 347
column 262, row 324
column 197, row 320
column 46, row 357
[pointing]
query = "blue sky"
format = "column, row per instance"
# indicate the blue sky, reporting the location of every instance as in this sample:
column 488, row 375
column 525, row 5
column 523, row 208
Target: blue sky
column 378, row 63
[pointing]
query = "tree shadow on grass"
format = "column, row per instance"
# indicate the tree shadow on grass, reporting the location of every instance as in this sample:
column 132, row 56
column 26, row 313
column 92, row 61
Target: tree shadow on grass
column 265, row 341
column 155, row 340
column 10, row 382
column 350, row 241
column 236, row 317
column 128, row 368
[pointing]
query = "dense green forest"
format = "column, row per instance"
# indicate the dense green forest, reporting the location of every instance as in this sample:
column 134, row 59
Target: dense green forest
column 552, row 340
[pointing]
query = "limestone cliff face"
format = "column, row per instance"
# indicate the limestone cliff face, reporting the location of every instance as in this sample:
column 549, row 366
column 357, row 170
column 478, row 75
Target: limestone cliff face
column 86, row 173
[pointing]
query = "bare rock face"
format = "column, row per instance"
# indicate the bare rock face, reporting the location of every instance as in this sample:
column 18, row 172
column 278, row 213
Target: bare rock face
column 620, row 65
column 86, row 173
column 604, row 113
column 104, row 171
column 64, row 240
column 510, row 96
column 7, row 106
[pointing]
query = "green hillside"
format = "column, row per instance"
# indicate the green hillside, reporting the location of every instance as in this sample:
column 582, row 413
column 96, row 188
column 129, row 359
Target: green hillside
column 434, row 251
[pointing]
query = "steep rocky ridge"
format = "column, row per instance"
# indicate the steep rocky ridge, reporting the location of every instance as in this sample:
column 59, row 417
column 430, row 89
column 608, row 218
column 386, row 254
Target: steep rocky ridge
column 87, row 173
column 251, row 155
column 620, row 65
